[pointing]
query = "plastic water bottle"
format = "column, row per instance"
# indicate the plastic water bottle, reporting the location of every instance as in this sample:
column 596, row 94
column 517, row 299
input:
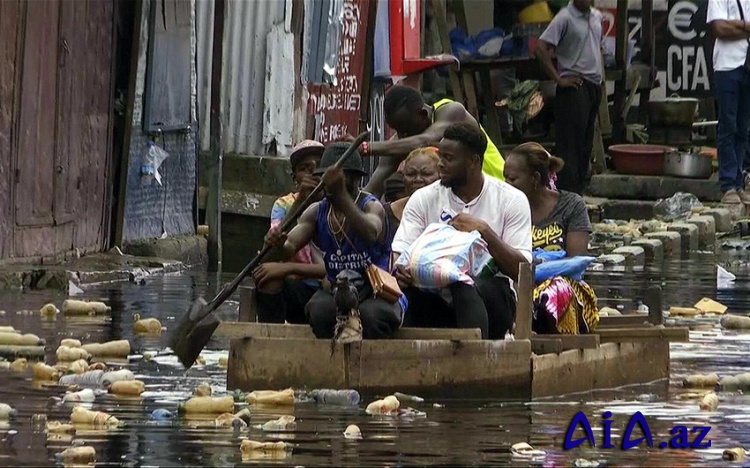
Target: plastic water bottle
column 336, row 397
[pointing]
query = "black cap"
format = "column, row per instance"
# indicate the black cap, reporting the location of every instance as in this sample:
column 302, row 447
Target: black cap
column 333, row 153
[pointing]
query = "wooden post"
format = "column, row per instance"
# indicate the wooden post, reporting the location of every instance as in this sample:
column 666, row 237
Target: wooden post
column 621, row 60
column 524, row 306
column 213, row 203
column 441, row 22
column 647, row 55
column 653, row 301
column 248, row 305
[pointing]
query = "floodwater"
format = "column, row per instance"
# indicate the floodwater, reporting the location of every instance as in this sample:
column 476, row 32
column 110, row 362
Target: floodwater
column 459, row 432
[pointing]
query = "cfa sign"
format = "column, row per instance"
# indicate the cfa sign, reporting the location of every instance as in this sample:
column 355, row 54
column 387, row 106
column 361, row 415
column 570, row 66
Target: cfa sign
column 687, row 68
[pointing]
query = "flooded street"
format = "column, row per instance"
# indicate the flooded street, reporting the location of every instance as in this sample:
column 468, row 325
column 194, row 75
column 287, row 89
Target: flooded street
column 462, row 432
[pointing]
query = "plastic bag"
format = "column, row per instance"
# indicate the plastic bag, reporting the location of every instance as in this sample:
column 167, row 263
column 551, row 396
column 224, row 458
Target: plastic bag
column 679, row 205
column 463, row 45
column 442, row 255
column 151, row 162
column 489, row 42
column 572, row 267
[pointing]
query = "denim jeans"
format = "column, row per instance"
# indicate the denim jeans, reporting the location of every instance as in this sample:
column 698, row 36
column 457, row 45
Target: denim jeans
column 733, row 100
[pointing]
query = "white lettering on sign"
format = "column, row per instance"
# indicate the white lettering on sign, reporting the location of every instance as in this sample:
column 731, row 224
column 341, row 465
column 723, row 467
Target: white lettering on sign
column 687, row 69
column 342, row 103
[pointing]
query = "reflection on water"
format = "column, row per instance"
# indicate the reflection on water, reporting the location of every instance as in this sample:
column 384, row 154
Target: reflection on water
column 461, row 432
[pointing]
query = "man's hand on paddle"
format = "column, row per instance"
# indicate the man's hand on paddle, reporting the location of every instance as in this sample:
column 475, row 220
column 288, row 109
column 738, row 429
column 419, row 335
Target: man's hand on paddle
column 269, row 272
column 334, row 183
column 275, row 238
column 307, row 185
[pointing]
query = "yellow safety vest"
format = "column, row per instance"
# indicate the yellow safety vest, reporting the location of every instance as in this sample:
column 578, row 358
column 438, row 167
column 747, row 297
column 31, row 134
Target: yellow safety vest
column 493, row 161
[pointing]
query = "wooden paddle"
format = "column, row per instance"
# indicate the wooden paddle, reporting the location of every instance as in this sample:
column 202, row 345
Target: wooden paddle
column 197, row 326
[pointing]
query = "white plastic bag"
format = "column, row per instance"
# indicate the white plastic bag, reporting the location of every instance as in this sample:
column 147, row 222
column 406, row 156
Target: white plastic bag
column 151, row 162
column 442, row 255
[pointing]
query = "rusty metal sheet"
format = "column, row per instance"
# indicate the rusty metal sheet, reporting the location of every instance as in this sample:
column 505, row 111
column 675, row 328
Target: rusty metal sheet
column 36, row 123
column 9, row 16
column 335, row 110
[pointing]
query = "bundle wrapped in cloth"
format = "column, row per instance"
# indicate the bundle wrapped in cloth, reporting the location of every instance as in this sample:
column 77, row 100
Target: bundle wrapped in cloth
column 443, row 255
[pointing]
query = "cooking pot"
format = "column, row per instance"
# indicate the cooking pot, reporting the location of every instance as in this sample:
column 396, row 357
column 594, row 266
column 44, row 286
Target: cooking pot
column 639, row 159
column 672, row 112
column 689, row 164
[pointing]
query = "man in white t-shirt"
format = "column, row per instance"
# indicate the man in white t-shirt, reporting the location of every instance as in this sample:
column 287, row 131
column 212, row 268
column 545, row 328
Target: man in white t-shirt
column 469, row 201
column 729, row 24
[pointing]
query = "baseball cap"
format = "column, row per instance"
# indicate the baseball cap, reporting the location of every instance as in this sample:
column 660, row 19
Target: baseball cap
column 333, row 153
column 305, row 148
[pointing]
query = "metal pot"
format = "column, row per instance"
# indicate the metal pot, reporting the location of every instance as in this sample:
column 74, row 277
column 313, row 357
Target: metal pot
column 672, row 112
column 689, row 164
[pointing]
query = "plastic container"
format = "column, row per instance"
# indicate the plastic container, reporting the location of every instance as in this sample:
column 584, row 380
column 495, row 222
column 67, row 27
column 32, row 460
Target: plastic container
column 538, row 12
column 639, row 159
column 336, row 397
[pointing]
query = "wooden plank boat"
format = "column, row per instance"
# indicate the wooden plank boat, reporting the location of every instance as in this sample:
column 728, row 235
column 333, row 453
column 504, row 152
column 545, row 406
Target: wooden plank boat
column 449, row 362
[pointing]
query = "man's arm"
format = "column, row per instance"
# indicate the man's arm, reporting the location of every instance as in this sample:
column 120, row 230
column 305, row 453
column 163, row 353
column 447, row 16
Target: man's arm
column 730, row 30
column 398, row 148
column 297, row 238
column 367, row 223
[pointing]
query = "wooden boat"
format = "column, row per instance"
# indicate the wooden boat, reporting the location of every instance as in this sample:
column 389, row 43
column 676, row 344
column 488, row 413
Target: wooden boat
column 450, row 362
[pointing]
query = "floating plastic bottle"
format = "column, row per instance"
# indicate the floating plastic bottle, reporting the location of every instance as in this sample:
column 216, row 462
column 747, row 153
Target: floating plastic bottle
column 161, row 414
column 336, row 397
column 87, row 379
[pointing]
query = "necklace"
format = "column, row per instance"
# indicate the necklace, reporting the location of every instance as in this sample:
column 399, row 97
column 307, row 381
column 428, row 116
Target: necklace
column 337, row 230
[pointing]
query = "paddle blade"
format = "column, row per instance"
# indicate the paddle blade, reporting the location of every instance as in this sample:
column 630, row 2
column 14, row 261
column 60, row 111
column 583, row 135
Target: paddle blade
column 192, row 334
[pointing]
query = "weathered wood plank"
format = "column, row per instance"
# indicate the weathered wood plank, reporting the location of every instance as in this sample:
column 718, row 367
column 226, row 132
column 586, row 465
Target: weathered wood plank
column 248, row 310
column 240, row 330
column 611, row 365
column 546, row 346
column 618, row 335
column 622, row 321
column 570, row 341
column 525, row 288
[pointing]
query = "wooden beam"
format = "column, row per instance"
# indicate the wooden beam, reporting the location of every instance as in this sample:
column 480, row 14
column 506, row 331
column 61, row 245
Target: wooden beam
column 441, row 23
column 525, row 288
column 248, row 310
column 648, row 39
column 621, row 57
column 242, row 330
column 569, row 341
column 541, row 346
column 619, row 335
column 618, row 321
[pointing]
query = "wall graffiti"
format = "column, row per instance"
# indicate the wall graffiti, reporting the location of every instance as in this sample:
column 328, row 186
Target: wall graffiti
column 335, row 110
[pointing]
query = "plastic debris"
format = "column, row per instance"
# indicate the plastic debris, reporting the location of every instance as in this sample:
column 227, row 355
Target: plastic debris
column 81, row 415
column 84, row 396
column 710, row 402
column 284, row 423
column 438, row 405
column 411, row 413
column 224, row 362
column 76, row 307
column 108, row 378
column 700, row 380
column 230, row 420
column 70, row 343
column 724, row 278
column 404, row 398
column 684, row 311
column 252, row 445
column 49, row 310
column 734, row 454
column 735, row 322
column 524, row 450
column 87, row 379
column 336, row 397
column 80, row 366
column 57, row 427
column 244, row 414
column 78, row 455
column 583, row 463
column 19, row 365
column 16, row 339
column 735, row 382
column 709, row 306
column 65, row 353
column 203, row 389
column 387, row 405
column 149, row 326
column 207, row 404
column 271, row 397
column 127, row 387
column 118, row 348
column 678, row 206
column 6, row 412
column 161, row 414
column 42, row 371
column 352, row 432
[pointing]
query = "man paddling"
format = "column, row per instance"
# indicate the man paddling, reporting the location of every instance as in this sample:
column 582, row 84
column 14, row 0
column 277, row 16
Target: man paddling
column 348, row 226
column 418, row 125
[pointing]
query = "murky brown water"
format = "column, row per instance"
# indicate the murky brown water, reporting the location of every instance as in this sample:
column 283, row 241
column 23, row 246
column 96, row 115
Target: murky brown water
column 462, row 432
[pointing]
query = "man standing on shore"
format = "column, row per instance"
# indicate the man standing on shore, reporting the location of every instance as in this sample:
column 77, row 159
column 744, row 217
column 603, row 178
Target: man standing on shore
column 575, row 36
column 730, row 27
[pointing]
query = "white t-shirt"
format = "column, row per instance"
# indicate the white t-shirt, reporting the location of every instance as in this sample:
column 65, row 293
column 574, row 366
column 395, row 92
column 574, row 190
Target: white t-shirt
column 728, row 55
column 499, row 204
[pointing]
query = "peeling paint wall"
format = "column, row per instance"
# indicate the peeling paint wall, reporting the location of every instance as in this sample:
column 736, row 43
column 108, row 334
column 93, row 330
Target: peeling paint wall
column 153, row 210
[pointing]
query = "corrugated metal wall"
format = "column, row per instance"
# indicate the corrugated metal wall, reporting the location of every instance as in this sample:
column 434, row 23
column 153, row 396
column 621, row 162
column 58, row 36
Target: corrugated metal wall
column 247, row 24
